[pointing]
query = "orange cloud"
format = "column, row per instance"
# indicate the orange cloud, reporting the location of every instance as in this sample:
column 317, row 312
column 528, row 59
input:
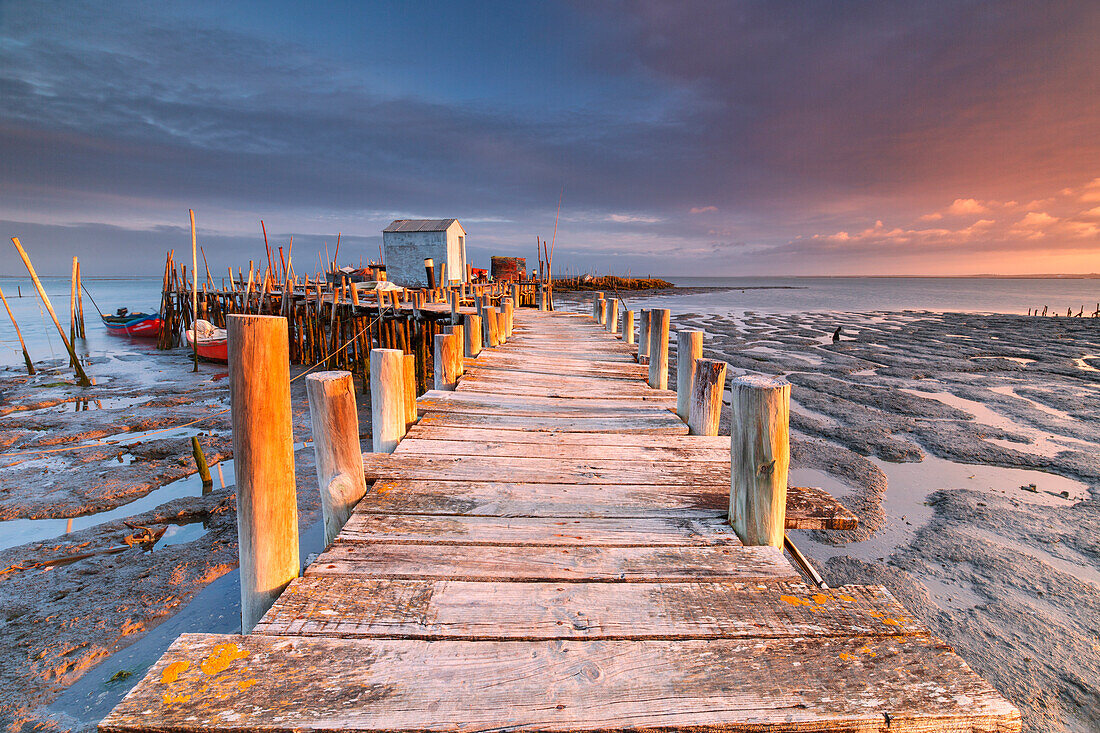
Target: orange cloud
column 703, row 209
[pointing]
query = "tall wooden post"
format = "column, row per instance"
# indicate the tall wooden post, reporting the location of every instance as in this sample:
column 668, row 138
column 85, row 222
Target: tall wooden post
column 263, row 459
column 459, row 332
column 387, row 399
column 612, row 319
column 473, row 336
column 689, row 348
column 542, row 297
column 509, row 317
column 760, row 455
column 707, row 388
column 628, row 326
column 429, row 270
column 195, row 294
column 658, row 348
column 336, row 448
column 409, row 384
column 445, row 349
column 643, row 335
column 515, row 295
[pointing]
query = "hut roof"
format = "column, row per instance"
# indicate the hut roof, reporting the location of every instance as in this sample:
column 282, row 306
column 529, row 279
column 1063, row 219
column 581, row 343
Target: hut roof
column 420, row 225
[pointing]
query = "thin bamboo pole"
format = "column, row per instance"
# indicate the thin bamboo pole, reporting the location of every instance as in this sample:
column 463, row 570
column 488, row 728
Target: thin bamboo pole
column 81, row 376
column 26, row 356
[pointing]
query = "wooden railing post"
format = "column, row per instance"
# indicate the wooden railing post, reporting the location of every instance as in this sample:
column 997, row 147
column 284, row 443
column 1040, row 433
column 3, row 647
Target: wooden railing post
column 658, row 348
column 387, row 399
column 429, row 271
column 444, row 350
column 628, row 326
column 473, row 336
column 760, row 455
column 336, row 447
column 459, row 332
column 707, row 388
column 509, row 317
column 643, row 335
column 612, row 320
column 263, row 459
column 408, row 363
column 689, row 348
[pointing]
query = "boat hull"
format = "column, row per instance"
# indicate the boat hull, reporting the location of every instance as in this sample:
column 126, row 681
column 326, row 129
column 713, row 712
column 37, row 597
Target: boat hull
column 144, row 327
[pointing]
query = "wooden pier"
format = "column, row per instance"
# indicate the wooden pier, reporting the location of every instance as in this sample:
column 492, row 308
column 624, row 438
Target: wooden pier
column 547, row 549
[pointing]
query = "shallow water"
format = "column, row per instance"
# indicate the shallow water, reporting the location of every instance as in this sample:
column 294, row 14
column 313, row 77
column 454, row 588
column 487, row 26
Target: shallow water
column 21, row 531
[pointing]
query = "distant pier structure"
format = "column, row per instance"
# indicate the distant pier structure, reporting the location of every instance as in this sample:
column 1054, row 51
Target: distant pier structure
column 409, row 243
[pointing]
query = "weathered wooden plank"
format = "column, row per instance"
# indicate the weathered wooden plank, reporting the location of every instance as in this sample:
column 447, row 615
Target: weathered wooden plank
column 557, row 449
column 605, row 438
column 611, row 370
column 852, row 683
column 807, row 507
column 585, row 424
column 523, row 563
column 439, row 400
column 553, row 531
column 446, row 609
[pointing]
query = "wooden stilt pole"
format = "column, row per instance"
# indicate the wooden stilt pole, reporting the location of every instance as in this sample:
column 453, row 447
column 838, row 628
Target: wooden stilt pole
column 195, row 294
column 263, row 453
column 19, row 334
column 628, row 326
column 82, row 378
column 759, row 458
column 336, row 447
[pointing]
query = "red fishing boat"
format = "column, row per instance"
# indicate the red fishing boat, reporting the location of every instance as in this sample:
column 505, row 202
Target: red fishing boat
column 140, row 325
column 212, row 345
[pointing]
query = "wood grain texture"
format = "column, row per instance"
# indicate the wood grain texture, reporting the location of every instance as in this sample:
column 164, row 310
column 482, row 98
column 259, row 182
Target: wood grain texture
column 336, row 449
column 705, row 405
column 234, row 683
column 808, row 508
column 689, row 348
column 760, row 454
column 263, row 452
column 387, row 398
column 324, row 605
column 526, row 563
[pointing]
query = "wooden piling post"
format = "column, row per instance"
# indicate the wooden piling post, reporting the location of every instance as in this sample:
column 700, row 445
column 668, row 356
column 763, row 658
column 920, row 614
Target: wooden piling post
column 336, row 447
column 409, row 383
column 200, row 463
column 612, row 319
column 81, row 377
column 658, row 348
column 643, row 335
column 628, row 326
column 445, row 350
column 689, row 348
column 263, row 459
column 429, row 270
column 473, row 336
column 705, row 406
column 759, row 458
column 509, row 317
column 19, row 334
column 387, row 399
column 459, row 332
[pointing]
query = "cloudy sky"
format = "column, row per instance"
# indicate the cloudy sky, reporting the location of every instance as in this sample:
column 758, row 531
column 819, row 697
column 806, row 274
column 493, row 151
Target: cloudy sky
column 730, row 138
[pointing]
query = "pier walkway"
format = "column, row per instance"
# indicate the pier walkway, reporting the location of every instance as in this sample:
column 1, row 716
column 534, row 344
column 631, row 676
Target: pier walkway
column 547, row 549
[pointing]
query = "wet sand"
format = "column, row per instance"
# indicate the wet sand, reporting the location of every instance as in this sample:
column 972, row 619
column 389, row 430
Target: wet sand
column 969, row 446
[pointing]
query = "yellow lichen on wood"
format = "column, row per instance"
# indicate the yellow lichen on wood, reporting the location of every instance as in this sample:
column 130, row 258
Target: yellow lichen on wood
column 173, row 671
column 223, row 656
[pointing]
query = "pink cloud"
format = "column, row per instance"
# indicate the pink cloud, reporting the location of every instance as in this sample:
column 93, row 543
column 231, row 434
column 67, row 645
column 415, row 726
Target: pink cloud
column 703, row 209
column 962, row 207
